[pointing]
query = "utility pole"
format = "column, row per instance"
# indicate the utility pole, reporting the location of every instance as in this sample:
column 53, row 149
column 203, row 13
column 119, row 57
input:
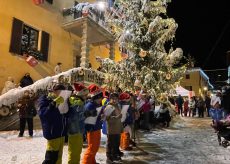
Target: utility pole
column 228, row 64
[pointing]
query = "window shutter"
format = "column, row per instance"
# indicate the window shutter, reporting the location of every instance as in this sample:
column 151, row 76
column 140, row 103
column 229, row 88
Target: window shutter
column 45, row 45
column 78, row 61
column 16, row 36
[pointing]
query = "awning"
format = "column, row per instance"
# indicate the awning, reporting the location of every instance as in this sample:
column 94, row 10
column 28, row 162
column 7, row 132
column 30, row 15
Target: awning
column 182, row 91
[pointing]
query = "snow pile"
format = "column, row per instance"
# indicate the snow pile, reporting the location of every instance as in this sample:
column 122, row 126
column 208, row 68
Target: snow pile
column 164, row 146
column 13, row 95
column 177, row 122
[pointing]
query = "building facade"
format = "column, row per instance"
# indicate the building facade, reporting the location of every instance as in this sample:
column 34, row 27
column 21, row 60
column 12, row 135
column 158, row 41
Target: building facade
column 196, row 80
column 28, row 28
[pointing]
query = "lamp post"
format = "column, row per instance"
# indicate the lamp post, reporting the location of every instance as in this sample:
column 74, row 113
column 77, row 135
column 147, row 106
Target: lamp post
column 205, row 89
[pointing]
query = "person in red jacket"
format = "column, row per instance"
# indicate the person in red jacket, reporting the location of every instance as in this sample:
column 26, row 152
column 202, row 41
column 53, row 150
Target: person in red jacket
column 185, row 107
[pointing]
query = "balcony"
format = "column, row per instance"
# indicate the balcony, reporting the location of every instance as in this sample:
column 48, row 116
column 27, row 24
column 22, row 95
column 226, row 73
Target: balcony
column 97, row 32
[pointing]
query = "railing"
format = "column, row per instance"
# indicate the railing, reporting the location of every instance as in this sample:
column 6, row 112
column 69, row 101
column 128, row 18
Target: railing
column 82, row 10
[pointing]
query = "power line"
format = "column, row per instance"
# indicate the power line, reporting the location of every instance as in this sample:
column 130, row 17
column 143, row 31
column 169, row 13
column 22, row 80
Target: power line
column 212, row 70
column 217, row 42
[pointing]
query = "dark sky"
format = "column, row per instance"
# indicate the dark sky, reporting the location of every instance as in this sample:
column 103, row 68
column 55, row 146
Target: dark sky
column 204, row 30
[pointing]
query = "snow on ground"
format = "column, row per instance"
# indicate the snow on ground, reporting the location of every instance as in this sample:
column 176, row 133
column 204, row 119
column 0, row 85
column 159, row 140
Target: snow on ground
column 194, row 144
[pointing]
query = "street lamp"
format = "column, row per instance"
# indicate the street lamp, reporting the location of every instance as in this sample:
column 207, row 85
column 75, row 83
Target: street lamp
column 205, row 88
column 101, row 5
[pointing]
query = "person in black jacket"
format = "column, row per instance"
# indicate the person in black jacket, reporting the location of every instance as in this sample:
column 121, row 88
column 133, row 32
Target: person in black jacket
column 226, row 100
column 207, row 103
column 180, row 102
column 26, row 109
column 26, row 80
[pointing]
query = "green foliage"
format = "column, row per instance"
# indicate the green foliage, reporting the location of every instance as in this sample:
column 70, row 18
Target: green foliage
column 143, row 28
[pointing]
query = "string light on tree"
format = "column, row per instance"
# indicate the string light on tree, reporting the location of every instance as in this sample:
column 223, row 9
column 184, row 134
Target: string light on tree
column 142, row 30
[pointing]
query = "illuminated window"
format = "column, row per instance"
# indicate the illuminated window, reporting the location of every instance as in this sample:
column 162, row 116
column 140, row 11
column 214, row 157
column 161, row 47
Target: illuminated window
column 29, row 40
column 24, row 40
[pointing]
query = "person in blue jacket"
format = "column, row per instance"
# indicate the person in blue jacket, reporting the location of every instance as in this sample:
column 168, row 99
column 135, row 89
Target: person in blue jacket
column 54, row 124
column 216, row 112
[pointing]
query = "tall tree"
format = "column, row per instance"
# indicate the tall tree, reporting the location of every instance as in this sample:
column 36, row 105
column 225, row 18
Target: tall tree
column 145, row 35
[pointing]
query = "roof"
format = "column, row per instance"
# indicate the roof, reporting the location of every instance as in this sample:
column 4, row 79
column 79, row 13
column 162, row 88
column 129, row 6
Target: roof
column 204, row 75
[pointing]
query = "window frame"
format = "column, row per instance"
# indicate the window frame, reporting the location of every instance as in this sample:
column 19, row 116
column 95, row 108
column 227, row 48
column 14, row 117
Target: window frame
column 43, row 41
column 29, row 36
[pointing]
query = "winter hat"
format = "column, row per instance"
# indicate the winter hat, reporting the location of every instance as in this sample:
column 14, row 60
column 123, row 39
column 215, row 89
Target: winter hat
column 80, row 89
column 95, row 92
column 124, row 97
column 59, row 87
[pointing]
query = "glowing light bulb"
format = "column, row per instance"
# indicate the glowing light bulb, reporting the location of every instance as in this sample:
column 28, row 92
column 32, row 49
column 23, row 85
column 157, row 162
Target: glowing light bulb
column 101, row 5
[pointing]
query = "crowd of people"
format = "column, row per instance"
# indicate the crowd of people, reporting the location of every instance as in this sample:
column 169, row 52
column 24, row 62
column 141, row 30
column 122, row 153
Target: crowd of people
column 198, row 105
column 76, row 113
column 191, row 106
column 26, row 80
column 90, row 109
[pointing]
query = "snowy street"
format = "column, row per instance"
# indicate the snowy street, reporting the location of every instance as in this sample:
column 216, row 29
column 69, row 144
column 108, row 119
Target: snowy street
column 196, row 143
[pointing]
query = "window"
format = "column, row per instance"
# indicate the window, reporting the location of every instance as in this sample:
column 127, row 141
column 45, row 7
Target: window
column 187, row 76
column 24, row 40
column 29, row 40
column 78, row 61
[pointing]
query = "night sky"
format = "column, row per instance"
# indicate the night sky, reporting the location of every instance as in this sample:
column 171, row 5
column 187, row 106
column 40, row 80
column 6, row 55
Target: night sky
column 204, row 30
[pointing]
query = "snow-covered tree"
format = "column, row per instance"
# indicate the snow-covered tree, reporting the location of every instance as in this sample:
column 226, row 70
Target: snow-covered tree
column 145, row 35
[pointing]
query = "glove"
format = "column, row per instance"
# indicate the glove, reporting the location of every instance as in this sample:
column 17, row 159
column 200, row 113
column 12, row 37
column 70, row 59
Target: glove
column 59, row 100
column 75, row 101
column 72, row 101
column 51, row 96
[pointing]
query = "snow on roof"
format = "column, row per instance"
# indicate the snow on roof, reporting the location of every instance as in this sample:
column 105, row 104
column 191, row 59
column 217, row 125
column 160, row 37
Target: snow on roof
column 202, row 73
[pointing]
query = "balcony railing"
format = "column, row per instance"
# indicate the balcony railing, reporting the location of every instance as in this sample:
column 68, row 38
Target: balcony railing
column 82, row 10
column 97, row 30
